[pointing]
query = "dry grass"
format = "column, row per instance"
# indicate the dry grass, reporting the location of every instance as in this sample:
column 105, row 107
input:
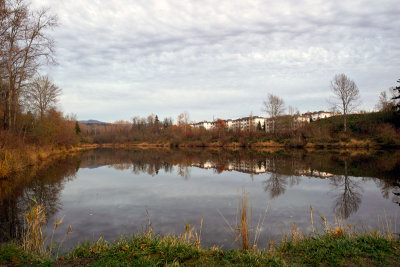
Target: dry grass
column 340, row 228
column 191, row 235
column 33, row 239
column 270, row 143
column 243, row 227
column 354, row 143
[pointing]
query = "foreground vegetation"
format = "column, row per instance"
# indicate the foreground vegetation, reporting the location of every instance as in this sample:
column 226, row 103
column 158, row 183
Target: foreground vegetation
column 330, row 249
column 336, row 245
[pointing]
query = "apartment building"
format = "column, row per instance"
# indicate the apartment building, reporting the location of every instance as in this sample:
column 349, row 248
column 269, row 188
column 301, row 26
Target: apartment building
column 266, row 124
column 246, row 123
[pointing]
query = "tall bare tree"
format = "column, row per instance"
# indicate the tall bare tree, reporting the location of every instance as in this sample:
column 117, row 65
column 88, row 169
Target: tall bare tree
column 346, row 95
column 42, row 94
column 274, row 106
column 25, row 46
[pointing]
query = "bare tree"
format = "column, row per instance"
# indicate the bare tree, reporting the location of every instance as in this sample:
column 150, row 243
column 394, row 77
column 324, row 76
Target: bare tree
column 385, row 103
column 346, row 95
column 274, row 106
column 42, row 94
column 25, row 47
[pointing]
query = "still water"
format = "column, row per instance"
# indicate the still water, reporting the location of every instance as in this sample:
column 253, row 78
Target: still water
column 111, row 192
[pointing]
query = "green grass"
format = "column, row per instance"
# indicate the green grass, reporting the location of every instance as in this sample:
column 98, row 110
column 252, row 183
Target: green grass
column 327, row 250
column 12, row 254
column 317, row 250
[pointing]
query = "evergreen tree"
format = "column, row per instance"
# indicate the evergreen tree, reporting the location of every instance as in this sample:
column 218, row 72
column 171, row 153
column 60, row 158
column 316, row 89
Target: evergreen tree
column 397, row 105
column 77, row 128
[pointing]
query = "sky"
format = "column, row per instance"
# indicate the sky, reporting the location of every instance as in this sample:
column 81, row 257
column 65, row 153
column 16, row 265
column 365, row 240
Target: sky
column 218, row 59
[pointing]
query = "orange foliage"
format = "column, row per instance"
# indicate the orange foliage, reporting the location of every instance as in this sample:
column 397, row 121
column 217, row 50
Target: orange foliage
column 220, row 124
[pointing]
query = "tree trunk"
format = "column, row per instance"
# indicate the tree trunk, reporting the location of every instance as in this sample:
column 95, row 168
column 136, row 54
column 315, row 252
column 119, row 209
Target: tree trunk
column 6, row 111
column 9, row 110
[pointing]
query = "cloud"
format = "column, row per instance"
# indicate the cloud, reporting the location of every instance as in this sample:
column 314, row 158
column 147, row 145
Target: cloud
column 218, row 58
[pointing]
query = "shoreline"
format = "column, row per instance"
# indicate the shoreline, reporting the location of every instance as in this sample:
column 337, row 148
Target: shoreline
column 16, row 160
column 351, row 144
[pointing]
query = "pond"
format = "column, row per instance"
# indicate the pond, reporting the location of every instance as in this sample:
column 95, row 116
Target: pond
column 112, row 192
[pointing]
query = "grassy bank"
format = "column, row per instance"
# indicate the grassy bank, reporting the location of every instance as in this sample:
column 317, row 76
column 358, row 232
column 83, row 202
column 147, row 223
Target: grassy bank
column 254, row 143
column 337, row 245
column 330, row 249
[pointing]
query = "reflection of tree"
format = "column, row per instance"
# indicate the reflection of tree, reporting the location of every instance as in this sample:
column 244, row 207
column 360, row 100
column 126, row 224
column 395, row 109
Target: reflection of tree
column 220, row 167
column 275, row 185
column 121, row 166
column 10, row 221
column 44, row 186
column 384, row 186
column 389, row 187
column 278, row 182
column 184, row 172
column 349, row 200
column 396, row 192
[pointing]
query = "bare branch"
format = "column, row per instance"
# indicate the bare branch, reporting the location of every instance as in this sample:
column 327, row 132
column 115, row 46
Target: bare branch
column 346, row 95
column 274, row 106
column 42, row 94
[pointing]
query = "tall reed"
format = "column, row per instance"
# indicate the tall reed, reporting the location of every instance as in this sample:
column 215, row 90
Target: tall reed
column 32, row 238
column 191, row 235
column 243, row 227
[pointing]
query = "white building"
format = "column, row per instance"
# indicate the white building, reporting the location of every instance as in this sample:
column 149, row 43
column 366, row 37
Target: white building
column 317, row 115
column 246, row 123
column 302, row 118
column 207, row 125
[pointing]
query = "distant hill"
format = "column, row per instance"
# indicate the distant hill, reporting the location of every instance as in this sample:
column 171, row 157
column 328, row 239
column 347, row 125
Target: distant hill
column 93, row 122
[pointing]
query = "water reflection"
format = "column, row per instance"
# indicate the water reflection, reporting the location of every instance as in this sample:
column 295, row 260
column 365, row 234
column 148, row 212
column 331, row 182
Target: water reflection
column 208, row 173
column 42, row 185
column 349, row 191
column 277, row 183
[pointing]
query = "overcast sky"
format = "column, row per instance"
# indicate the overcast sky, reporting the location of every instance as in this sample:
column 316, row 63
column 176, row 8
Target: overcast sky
column 124, row 58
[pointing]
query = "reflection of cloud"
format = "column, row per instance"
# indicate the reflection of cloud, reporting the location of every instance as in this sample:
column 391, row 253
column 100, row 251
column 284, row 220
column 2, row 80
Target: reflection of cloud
column 172, row 55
